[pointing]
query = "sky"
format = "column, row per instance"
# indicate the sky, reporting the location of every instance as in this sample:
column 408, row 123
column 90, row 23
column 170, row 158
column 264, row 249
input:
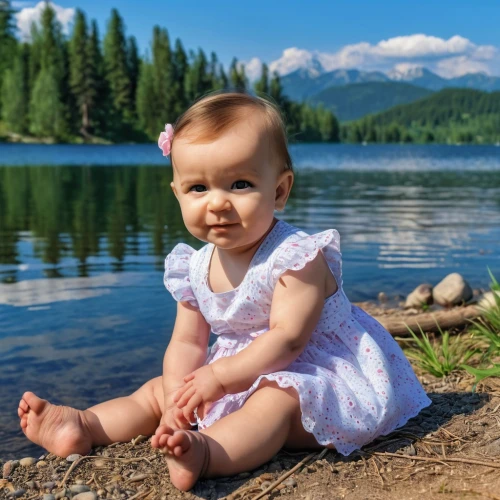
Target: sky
column 450, row 38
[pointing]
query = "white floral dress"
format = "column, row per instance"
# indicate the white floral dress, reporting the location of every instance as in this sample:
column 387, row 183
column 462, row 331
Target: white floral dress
column 354, row 382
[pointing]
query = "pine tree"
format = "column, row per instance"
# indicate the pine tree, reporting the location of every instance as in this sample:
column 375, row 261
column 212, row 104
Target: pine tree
column 79, row 83
column 133, row 63
column 15, row 93
column 261, row 86
column 328, row 125
column 146, row 101
column 97, row 89
column 35, row 63
column 198, row 79
column 237, row 77
column 8, row 42
column 116, row 68
column 48, row 107
column 163, row 78
column 181, row 67
column 217, row 81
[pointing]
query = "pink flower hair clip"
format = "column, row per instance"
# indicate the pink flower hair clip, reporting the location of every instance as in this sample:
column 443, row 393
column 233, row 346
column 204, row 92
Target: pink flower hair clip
column 165, row 139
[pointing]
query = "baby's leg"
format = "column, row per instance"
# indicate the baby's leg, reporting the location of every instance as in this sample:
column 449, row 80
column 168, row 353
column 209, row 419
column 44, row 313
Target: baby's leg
column 241, row 441
column 63, row 430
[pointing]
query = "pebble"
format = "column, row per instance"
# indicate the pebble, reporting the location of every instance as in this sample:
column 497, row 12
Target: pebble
column 48, row 496
column 79, row 488
column 265, row 485
column 87, row 495
column 290, row 481
column 16, row 494
column 101, row 492
column 31, row 485
column 79, row 481
column 9, row 467
column 100, row 463
column 49, row 485
column 41, row 463
column 60, row 494
column 73, row 457
column 27, row 462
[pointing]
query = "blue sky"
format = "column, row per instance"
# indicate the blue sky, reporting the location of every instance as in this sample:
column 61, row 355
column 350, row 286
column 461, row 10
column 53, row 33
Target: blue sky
column 264, row 29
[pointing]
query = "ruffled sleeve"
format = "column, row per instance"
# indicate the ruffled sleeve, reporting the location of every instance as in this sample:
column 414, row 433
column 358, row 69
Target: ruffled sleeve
column 294, row 254
column 176, row 278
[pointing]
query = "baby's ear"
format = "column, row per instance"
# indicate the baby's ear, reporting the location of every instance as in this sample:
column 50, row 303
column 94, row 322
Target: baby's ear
column 283, row 188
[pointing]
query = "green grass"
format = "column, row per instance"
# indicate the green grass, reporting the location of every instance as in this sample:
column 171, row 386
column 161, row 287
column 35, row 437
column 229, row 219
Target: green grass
column 443, row 355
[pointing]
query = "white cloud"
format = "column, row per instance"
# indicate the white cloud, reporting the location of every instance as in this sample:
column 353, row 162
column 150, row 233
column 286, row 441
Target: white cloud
column 449, row 58
column 27, row 15
column 253, row 68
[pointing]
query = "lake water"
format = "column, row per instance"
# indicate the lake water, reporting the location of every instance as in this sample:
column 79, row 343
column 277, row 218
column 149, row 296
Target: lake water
column 84, row 230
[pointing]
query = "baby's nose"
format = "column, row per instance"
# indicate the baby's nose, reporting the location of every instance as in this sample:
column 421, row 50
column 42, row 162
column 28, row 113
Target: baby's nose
column 218, row 201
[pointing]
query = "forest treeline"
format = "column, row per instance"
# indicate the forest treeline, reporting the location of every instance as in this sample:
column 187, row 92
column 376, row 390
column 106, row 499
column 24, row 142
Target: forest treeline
column 81, row 88
column 450, row 116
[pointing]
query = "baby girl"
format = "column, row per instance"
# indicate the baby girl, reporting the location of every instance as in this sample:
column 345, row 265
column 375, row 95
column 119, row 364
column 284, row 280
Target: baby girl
column 295, row 364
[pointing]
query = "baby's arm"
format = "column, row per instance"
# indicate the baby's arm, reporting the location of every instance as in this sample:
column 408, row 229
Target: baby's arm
column 186, row 352
column 296, row 308
column 297, row 304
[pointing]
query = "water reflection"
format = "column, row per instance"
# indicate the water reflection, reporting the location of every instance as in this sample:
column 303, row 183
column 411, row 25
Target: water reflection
column 84, row 315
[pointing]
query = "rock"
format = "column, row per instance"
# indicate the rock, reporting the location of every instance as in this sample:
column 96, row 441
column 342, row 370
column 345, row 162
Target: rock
column 9, row 467
column 275, row 467
column 101, row 492
column 382, row 297
column 41, row 463
column 27, row 462
column 422, row 295
column 452, row 290
column 79, row 481
column 48, row 496
column 61, row 493
column 88, row 495
column 290, row 481
column 31, row 485
column 16, row 494
column 49, row 485
column 100, row 464
column 487, row 300
column 73, row 457
column 79, row 488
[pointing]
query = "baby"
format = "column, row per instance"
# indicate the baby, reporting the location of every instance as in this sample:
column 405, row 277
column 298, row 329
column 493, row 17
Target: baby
column 295, row 364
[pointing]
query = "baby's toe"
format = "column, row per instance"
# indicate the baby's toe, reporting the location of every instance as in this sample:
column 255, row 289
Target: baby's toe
column 24, row 422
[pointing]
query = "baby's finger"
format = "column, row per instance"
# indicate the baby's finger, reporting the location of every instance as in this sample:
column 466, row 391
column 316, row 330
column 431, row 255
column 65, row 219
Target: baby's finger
column 186, row 397
column 181, row 391
column 189, row 377
column 189, row 408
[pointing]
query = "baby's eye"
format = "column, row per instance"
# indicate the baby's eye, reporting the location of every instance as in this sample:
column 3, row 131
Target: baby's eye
column 241, row 185
column 198, row 188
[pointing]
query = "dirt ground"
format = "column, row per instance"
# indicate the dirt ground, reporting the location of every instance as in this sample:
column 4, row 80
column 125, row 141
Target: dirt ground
column 451, row 450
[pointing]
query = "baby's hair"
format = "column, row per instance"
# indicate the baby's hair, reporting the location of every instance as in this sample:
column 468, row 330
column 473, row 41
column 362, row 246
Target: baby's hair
column 214, row 113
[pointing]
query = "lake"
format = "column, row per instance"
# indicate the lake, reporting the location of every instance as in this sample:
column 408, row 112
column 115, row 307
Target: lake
column 84, row 231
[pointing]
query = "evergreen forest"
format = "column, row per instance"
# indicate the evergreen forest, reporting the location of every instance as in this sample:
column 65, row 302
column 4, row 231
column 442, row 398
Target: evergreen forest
column 81, row 88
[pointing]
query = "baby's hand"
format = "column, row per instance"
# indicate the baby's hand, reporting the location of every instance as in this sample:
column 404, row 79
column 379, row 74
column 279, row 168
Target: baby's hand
column 174, row 418
column 202, row 388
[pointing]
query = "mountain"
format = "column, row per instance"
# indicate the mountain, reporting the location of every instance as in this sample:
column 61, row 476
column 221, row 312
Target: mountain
column 303, row 83
column 349, row 102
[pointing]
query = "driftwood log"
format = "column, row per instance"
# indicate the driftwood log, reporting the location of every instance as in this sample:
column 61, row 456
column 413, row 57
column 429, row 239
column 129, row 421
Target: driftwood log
column 429, row 322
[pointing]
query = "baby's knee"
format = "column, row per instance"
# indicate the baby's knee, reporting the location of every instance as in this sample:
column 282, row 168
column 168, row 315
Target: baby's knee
column 152, row 393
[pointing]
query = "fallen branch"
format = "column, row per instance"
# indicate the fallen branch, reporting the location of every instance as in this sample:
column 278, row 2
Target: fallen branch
column 429, row 321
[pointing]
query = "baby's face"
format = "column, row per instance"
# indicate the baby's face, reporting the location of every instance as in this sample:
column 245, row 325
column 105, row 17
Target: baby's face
column 227, row 188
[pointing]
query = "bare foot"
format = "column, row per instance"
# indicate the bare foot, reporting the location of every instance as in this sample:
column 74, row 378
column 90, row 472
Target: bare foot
column 59, row 429
column 186, row 452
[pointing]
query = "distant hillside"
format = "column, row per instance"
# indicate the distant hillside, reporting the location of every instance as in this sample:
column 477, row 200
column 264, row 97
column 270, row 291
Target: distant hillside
column 448, row 105
column 303, row 83
column 350, row 102
column 449, row 116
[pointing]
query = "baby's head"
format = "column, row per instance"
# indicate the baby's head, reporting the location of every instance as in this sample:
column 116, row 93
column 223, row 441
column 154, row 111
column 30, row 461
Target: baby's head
column 232, row 168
